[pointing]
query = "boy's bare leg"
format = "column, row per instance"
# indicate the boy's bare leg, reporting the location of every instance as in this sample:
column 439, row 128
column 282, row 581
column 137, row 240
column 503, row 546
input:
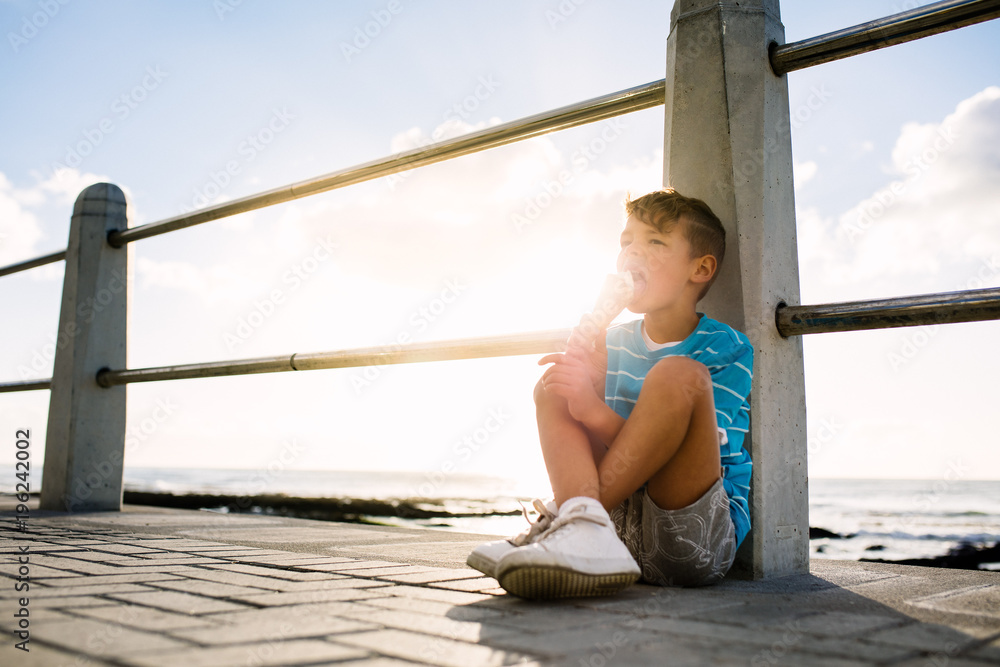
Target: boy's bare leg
column 566, row 448
column 670, row 440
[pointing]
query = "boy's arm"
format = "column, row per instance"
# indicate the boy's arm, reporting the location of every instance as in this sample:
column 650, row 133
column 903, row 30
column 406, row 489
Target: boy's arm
column 578, row 375
column 731, row 380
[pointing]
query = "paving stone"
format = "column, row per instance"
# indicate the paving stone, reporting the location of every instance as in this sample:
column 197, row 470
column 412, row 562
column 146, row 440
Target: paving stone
column 351, row 564
column 535, row 619
column 440, row 594
column 432, row 575
column 40, row 655
column 433, row 650
column 273, row 572
column 381, row 662
column 288, row 623
column 128, row 549
column 103, row 639
column 856, row 649
column 10, row 570
column 331, row 584
column 669, row 602
column 130, row 578
column 284, row 557
column 684, row 627
column 279, row 599
column 841, row 624
column 183, row 603
column 440, row 626
column 481, row 584
column 988, row 651
column 98, row 556
column 577, row 640
column 385, row 571
column 923, row 636
column 210, row 588
column 69, row 592
column 35, row 615
column 430, row 607
column 235, row 578
column 185, row 560
column 700, row 651
column 71, row 602
column 302, row 652
column 146, row 618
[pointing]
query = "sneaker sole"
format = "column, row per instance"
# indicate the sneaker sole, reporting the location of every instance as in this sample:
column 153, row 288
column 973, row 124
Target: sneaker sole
column 548, row 583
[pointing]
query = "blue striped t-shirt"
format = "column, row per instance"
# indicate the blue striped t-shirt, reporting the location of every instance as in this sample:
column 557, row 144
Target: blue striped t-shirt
column 728, row 355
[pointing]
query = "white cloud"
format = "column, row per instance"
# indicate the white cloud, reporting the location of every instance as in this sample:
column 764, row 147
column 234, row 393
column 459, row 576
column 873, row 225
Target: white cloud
column 26, row 218
column 804, row 172
column 932, row 227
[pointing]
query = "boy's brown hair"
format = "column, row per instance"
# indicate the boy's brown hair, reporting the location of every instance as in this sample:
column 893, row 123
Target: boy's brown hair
column 663, row 209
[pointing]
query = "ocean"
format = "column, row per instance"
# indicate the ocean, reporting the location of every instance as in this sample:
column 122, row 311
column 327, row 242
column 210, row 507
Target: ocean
column 857, row 518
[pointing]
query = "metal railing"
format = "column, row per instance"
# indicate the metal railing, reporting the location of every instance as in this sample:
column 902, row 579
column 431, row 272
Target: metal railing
column 925, row 21
column 973, row 305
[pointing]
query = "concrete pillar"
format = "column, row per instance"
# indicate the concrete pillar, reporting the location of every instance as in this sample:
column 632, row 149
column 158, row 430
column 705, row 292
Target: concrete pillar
column 727, row 141
column 85, row 443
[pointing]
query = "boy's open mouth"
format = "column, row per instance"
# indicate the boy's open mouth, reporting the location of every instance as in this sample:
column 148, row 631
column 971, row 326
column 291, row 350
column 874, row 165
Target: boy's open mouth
column 638, row 281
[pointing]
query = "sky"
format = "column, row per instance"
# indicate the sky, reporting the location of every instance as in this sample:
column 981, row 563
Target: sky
column 182, row 104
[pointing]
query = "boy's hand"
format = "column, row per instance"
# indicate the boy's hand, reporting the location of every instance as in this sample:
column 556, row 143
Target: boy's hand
column 578, row 375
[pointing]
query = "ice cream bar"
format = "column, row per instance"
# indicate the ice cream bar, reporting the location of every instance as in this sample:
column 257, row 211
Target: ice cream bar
column 616, row 293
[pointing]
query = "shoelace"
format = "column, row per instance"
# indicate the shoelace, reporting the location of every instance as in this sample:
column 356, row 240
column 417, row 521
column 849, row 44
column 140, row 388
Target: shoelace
column 537, row 528
column 578, row 513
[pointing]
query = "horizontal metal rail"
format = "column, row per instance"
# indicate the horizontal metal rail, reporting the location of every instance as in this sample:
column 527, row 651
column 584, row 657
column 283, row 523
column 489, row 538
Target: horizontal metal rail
column 581, row 113
column 910, row 311
column 470, row 348
column 28, row 385
column 913, row 24
column 32, row 263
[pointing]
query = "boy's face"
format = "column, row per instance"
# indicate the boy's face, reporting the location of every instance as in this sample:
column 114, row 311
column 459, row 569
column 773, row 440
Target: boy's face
column 660, row 262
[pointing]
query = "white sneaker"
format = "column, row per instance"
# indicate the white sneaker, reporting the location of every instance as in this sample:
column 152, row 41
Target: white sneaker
column 578, row 555
column 486, row 556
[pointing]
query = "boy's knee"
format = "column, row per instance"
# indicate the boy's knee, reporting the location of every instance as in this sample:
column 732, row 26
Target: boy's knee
column 542, row 397
column 680, row 374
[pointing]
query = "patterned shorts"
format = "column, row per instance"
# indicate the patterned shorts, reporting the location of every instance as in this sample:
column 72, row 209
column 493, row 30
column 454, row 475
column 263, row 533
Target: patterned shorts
column 691, row 546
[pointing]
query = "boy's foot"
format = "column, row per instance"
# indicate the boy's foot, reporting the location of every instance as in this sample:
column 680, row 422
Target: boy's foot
column 486, row 556
column 579, row 555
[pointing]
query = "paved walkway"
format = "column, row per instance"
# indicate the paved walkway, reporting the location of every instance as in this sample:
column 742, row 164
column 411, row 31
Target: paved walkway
column 149, row 586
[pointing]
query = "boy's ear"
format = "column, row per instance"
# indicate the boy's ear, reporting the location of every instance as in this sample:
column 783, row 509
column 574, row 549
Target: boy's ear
column 705, row 267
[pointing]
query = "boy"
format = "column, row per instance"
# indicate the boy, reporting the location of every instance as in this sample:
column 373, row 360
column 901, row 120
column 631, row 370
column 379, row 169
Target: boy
column 642, row 432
